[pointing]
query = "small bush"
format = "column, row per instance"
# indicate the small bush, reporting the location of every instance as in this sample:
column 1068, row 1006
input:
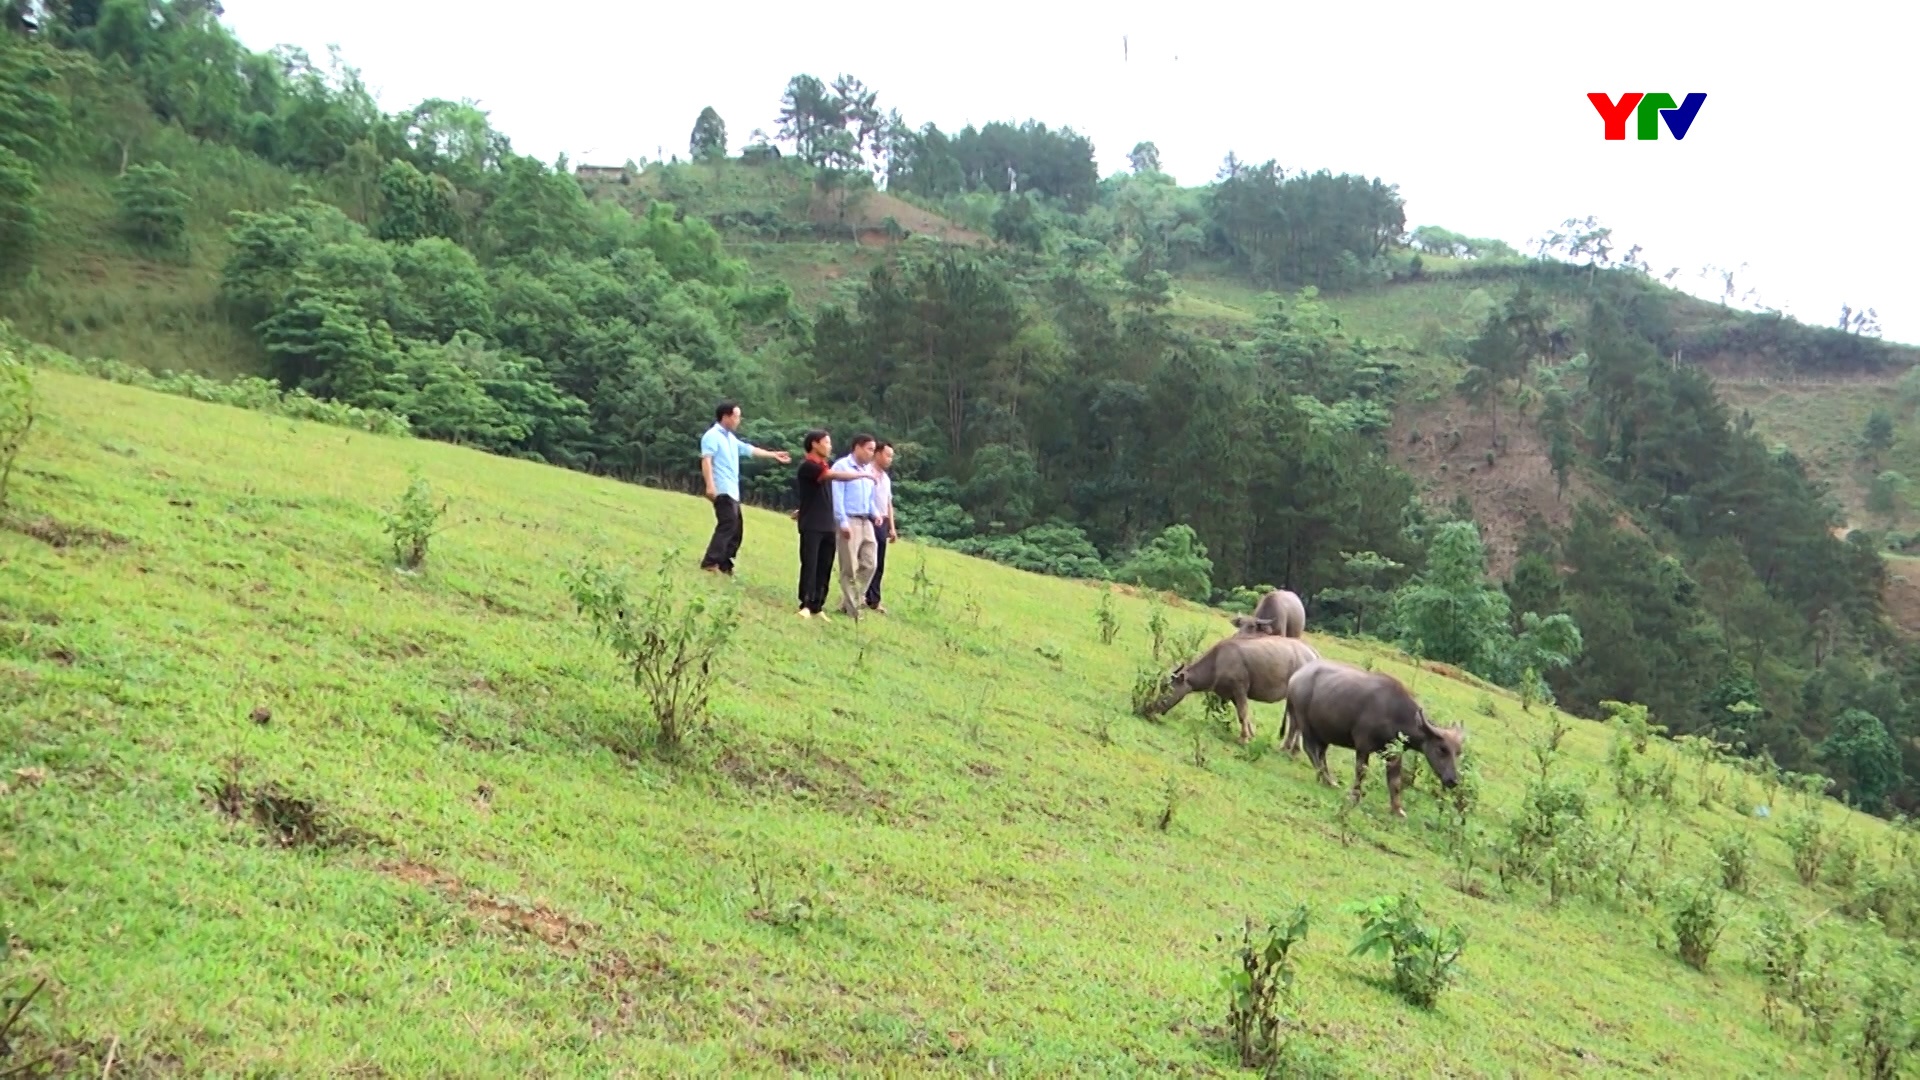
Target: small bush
column 669, row 645
column 1889, row 1013
column 1260, row 986
column 1625, row 862
column 1423, row 957
column 1106, row 618
column 1734, row 850
column 153, row 210
column 1698, row 922
column 1806, row 838
column 1157, row 626
column 1533, row 690
column 1462, row 837
column 414, row 522
column 1704, row 753
column 1889, row 894
column 804, row 910
column 1550, row 810
column 1148, row 683
column 1663, row 781
column 1843, row 861
column 1573, row 862
column 1188, row 644
column 1174, row 791
column 1546, row 749
column 1819, row 996
column 922, row 586
column 1636, row 775
column 1778, row 952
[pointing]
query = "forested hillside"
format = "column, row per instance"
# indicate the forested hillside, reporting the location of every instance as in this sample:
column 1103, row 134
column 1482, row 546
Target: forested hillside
column 1516, row 464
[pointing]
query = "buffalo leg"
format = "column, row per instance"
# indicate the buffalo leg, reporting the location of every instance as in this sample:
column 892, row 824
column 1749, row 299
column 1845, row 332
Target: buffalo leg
column 1393, row 785
column 1317, row 753
column 1246, row 720
column 1289, row 730
column 1359, row 773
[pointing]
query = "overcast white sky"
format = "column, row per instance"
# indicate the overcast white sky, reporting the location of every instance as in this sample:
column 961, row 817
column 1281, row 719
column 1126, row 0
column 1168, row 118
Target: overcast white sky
column 1477, row 111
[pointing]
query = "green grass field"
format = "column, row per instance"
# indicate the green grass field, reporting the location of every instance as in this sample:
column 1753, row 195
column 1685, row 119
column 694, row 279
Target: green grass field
column 928, row 843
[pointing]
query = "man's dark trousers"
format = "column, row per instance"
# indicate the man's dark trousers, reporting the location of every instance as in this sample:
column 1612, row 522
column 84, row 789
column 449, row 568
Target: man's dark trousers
column 816, row 568
column 879, row 564
column 726, row 534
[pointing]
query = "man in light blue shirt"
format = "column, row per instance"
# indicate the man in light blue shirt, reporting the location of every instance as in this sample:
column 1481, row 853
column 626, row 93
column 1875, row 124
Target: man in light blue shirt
column 720, row 454
column 853, row 515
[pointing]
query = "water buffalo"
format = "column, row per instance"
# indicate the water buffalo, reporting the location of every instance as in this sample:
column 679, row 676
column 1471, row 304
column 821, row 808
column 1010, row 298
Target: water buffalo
column 1238, row 668
column 1279, row 612
column 1332, row 704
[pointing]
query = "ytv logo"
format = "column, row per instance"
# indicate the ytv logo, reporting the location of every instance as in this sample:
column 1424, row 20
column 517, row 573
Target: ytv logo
column 1651, row 108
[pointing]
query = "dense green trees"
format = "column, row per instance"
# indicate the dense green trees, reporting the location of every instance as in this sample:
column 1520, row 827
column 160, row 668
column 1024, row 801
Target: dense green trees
column 1721, row 598
column 1060, row 395
column 998, row 157
column 33, row 124
column 1309, row 228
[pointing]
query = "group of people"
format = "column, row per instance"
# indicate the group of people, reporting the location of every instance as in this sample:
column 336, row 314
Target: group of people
column 845, row 512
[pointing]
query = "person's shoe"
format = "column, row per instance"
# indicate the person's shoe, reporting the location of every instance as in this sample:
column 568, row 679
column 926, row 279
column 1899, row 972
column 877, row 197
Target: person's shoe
column 805, row 614
column 881, row 608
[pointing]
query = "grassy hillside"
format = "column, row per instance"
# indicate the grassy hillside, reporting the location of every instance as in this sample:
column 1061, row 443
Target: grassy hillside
column 270, row 804
column 1824, row 421
column 95, row 293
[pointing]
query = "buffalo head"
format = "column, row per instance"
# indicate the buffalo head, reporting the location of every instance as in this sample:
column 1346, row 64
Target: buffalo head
column 1173, row 688
column 1443, row 745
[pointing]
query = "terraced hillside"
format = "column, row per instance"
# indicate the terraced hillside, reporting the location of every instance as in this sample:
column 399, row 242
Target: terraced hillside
column 270, row 804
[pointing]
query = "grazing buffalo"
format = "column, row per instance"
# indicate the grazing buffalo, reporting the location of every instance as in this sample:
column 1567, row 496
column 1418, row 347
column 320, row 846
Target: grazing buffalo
column 1332, row 704
column 1237, row 668
column 1279, row 612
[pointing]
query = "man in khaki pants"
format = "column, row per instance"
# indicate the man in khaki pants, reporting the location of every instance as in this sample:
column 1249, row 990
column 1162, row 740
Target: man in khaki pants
column 853, row 515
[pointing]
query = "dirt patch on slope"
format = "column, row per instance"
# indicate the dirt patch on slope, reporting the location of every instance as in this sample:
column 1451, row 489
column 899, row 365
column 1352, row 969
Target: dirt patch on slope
column 563, row 934
column 868, row 212
column 1446, row 446
column 59, row 534
column 810, row 777
column 288, row 819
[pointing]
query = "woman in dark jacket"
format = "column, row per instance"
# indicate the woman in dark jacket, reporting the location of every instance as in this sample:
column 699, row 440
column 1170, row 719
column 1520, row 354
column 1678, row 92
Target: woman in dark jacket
column 815, row 518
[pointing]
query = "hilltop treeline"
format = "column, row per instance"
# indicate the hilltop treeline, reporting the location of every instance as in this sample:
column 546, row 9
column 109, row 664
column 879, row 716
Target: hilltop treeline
column 1051, row 411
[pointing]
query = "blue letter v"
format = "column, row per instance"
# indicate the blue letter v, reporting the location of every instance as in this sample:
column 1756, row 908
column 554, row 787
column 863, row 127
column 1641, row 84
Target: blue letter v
column 1680, row 119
